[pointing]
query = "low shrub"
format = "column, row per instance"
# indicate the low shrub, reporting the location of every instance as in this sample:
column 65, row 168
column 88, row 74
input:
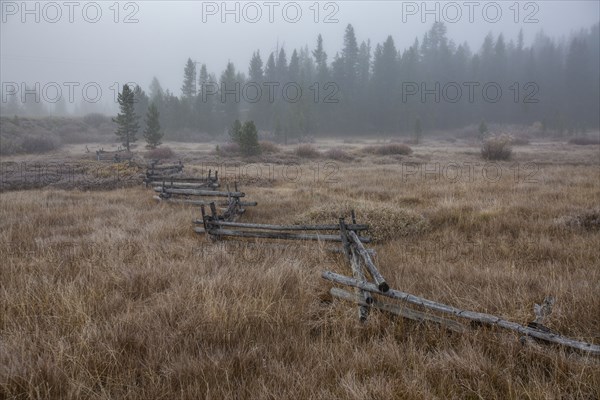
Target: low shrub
column 307, row 151
column 497, row 148
column 520, row 141
column 228, row 149
column 38, row 144
column 9, row 147
column 389, row 149
column 268, row 147
column 584, row 140
column 160, row 153
column 95, row 119
column 338, row 155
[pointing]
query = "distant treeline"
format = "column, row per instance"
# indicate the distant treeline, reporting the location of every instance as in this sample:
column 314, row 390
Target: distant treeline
column 366, row 88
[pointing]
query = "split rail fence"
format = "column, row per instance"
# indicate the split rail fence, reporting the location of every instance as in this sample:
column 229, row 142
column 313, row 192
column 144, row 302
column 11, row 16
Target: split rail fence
column 113, row 156
column 218, row 228
column 370, row 289
column 366, row 291
column 173, row 187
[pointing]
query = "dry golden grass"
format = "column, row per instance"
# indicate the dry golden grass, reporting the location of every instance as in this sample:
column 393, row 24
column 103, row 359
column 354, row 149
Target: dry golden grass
column 109, row 295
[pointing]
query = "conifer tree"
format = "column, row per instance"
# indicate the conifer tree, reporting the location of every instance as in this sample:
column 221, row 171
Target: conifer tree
column 249, row 139
column 153, row 134
column 188, row 89
column 126, row 120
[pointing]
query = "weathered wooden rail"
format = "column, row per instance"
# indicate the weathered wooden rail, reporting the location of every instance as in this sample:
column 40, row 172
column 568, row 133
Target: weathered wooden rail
column 539, row 332
column 214, row 226
column 359, row 257
column 156, row 172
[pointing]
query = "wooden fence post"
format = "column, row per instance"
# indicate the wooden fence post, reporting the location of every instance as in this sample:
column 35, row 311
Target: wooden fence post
column 363, row 311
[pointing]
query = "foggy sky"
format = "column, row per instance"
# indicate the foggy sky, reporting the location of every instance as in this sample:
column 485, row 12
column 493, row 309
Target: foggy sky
column 167, row 33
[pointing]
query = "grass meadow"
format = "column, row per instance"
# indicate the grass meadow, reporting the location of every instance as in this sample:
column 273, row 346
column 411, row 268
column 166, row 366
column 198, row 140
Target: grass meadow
column 106, row 294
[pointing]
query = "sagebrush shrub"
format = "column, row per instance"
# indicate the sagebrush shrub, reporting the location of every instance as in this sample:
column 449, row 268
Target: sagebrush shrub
column 584, row 140
column 338, row 155
column 389, row 149
column 38, row 144
column 307, row 151
column 497, row 148
column 160, row 153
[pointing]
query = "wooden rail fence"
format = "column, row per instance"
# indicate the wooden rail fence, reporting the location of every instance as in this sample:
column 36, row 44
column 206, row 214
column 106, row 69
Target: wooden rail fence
column 114, row 156
column 360, row 260
column 156, row 172
column 218, row 227
column 369, row 285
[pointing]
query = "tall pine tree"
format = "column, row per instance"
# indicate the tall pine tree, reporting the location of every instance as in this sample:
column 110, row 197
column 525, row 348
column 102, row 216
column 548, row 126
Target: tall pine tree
column 127, row 121
column 152, row 134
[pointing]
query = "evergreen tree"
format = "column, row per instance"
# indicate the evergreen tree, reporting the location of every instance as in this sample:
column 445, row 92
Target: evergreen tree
column 386, row 87
column 321, row 60
column 255, row 70
column 156, row 90
column 206, row 109
column 141, row 102
column 350, row 56
column 152, row 133
column 188, row 90
column 249, row 139
column 235, row 132
column 127, row 121
column 256, row 78
column 230, row 95
column 270, row 69
column 281, row 67
column 294, row 67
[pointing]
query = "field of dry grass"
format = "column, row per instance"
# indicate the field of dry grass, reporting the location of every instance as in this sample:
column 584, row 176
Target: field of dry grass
column 107, row 294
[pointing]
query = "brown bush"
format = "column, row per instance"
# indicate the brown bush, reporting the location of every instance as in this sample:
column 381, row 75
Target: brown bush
column 497, row 148
column 269, row 147
column 9, row 146
column 584, row 140
column 38, row 144
column 228, row 149
column 338, row 155
column 520, row 141
column 307, row 151
column 160, row 153
column 389, row 149
column 95, row 119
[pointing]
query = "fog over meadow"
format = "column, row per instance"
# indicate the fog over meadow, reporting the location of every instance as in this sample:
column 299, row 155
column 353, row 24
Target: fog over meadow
column 167, row 33
column 381, row 62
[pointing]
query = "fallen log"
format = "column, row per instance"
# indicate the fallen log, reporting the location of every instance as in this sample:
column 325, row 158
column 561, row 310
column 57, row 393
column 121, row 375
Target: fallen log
column 397, row 309
column 486, row 319
column 381, row 283
column 275, row 235
column 196, row 192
